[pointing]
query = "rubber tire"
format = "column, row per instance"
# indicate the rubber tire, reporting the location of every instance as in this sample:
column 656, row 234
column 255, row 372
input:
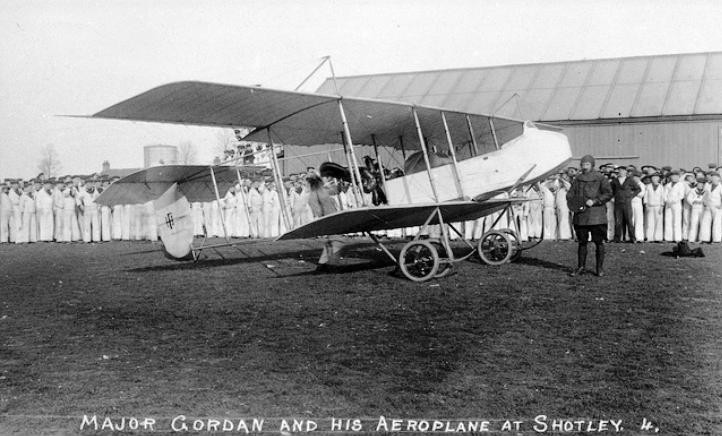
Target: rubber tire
column 495, row 234
column 516, row 244
column 434, row 255
column 445, row 268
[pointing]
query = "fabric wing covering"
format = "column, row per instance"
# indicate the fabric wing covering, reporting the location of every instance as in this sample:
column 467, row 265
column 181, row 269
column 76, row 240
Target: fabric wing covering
column 298, row 118
column 393, row 217
column 193, row 180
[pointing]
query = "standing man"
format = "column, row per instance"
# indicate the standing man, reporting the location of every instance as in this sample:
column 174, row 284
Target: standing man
column 255, row 209
column 587, row 196
column 674, row 194
column 321, row 204
column 44, row 212
column 58, row 202
column 654, row 198
column 91, row 221
column 711, row 225
column 638, row 208
column 16, row 218
column 6, row 213
column 624, row 190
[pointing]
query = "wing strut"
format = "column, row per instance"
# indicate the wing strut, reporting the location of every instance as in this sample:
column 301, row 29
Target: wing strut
column 475, row 150
column 381, row 165
column 425, row 153
column 353, row 163
column 280, row 189
column 493, row 133
column 457, row 179
column 220, row 208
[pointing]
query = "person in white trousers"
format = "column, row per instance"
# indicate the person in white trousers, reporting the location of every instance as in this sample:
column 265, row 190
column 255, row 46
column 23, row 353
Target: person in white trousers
column 654, row 197
column 674, row 194
column 711, row 226
column 638, row 209
column 6, row 213
column 695, row 199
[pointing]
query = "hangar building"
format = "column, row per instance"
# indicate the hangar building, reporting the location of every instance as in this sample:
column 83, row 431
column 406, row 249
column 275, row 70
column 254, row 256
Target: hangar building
column 659, row 110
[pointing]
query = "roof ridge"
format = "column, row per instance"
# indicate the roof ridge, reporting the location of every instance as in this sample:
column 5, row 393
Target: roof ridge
column 399, row 73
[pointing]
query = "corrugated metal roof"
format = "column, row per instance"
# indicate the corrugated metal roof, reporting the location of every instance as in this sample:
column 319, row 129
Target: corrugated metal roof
column 644, row 86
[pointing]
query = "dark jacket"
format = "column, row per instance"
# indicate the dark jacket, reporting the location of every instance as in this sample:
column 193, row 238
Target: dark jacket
column 589, row 186
column 624, row 192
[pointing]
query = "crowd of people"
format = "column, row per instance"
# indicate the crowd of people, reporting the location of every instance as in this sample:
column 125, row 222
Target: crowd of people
column 648, row 204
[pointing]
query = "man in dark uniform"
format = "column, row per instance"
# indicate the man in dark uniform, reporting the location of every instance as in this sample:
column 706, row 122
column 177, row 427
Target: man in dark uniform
column 624, row 189
column 586, row 198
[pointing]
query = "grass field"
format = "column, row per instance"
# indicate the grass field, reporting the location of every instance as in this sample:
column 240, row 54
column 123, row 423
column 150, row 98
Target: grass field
column 114, row 330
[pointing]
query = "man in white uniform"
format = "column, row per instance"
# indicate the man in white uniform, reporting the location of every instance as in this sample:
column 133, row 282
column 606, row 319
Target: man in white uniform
column 564, row 228
column 549, row 217
column 638, row 208
column 229, row 212
column 695, row 199
column 16, row 219
column 654, row 197
column 58, row 204
column 255, row 206
column 271, row 211
column 105, row 216
column 28, row 222
column 674, row 194
column 91, row 221
column 6, row 213
column 711, row 226
column 44, row 212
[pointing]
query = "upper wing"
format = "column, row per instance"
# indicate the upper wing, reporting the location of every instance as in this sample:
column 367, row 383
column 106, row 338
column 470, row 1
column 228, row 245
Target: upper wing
column 368, row 219
column 194, row 181
column 299, row 118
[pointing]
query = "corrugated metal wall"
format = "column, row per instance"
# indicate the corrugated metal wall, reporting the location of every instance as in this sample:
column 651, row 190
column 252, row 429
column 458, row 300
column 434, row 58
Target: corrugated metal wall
column 676, row 143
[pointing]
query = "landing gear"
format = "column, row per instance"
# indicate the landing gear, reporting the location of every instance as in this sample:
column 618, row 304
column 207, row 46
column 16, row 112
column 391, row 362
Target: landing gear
column 516, row 244
column 419, row 260
column 495, row 247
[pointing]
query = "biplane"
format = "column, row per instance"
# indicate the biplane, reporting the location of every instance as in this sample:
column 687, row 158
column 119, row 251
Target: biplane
column 438, row 191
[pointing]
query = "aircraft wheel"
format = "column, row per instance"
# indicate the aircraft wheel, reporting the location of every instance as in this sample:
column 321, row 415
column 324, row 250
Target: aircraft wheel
column 516, row 243
column 445, row 268
column 419, row 261
column 495, row 247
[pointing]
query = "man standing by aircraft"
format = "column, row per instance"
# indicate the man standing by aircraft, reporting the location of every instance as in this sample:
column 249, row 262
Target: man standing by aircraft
column 625, row 189
column 587, row 196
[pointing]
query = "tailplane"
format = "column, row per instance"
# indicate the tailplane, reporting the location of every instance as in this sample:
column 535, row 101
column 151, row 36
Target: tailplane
column 175, row 226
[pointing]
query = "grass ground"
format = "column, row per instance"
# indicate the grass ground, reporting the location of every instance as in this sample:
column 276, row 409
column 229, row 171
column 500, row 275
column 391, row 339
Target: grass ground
column 112, row 329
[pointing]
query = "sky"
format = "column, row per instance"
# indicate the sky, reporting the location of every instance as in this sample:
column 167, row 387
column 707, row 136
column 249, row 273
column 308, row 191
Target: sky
column 78, row 57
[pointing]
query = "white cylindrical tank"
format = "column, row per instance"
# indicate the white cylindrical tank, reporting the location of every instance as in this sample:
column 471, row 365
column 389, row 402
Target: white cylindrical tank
column 154, row 155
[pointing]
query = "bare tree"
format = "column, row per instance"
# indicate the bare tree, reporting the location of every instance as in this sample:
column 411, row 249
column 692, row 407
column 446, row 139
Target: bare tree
column 226, row 140
column 186, row 153
column 49, row 163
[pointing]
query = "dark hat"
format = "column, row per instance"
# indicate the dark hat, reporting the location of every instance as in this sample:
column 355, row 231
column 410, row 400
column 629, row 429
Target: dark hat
column 712, row 165
column 696, row 169
column 621, row 167
column 637, row 173
column 587, row 158
column 714, row 173
column 666, row 168
column 655, row 175
column 675, row 172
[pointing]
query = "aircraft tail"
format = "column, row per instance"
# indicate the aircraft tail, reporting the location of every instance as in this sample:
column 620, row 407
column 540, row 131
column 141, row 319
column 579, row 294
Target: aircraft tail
column 175, row 226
